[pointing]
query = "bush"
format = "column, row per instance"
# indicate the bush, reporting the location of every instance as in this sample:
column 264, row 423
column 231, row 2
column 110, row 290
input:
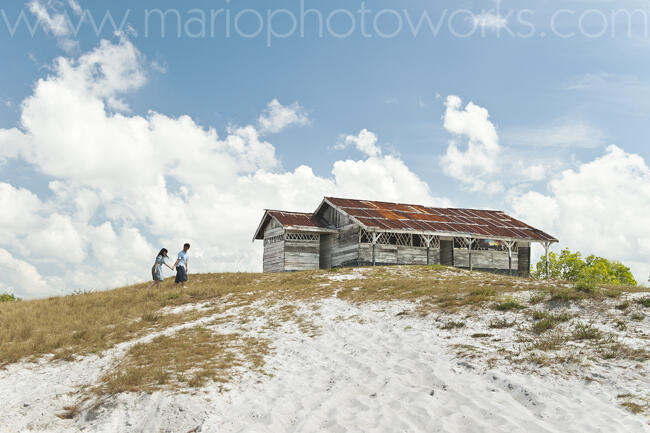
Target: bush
column 6, row 297
column 508, row 305
column 589, row 272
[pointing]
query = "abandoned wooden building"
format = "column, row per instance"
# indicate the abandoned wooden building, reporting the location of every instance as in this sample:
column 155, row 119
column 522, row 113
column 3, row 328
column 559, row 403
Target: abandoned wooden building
column 345, row 232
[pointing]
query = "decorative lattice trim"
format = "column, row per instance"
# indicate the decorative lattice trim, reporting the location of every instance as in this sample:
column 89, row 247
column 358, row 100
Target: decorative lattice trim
column 302, row 237
column 273, row 239
column 401, row 239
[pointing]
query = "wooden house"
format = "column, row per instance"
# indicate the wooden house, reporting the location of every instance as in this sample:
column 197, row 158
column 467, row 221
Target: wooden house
column 345, row 232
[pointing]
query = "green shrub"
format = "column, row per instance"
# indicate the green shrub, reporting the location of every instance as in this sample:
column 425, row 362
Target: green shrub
column 644, row 301
column 508, row 305
column 586, row 332
column 7, row 297
column 589, row 272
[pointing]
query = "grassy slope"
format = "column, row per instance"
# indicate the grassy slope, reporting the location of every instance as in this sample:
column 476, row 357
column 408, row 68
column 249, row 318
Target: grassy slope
column 71, row 326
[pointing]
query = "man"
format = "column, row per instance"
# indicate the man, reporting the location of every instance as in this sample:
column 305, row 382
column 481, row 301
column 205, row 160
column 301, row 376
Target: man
column 181, row 265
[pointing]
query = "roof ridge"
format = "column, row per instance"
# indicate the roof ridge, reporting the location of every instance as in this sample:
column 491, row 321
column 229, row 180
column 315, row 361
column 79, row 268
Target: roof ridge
column 414, row 204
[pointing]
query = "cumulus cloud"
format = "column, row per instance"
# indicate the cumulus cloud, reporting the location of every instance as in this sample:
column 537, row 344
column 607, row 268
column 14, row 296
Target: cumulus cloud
column 575, row 133
column 365, row 142
column 126, row 185
column 54, row 21
column 599, row 207
column 278, row 117
column 475, row 162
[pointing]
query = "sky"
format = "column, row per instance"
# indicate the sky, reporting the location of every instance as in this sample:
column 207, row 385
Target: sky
column 127, row 128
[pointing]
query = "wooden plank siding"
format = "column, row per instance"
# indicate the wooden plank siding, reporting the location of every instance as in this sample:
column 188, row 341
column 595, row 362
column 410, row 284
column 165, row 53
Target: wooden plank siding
column 273, row 260
column 446, row 252
column 523, row 262
column 484, row 260
column 301, row 255
column 345, row 246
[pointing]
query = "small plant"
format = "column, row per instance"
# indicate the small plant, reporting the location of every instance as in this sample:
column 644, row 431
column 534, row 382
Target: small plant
column 480, row 335
column 546, row 321
column 537, row 298
column 550, row 342
column 452, row 325
column 565, row 295
column 150, row 317
column 644, row 301
column 543, row 325
column 587, row 284
column 620, row 324
column 637, row 316
column 623, row 305
column 508, row 305
column 501, row 323
column 586, row 332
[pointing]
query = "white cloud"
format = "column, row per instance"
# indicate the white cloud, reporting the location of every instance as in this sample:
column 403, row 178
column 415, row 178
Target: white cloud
column 127, row 185
column 365, row 142
column 475, row 165
column 563, row 133
column 74, row 5
column 55, row 22
column 489, row 20
column 22, row 278
column 278, row 117
column 598, row 208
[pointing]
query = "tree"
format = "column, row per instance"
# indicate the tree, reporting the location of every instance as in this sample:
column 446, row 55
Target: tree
column 6, row 297
column 570, row 266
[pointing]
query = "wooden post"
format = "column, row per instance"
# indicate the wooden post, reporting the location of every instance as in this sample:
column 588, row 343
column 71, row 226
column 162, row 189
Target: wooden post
column 427, row 241
column 509, row 245
column 470, row 241
column 374, row 242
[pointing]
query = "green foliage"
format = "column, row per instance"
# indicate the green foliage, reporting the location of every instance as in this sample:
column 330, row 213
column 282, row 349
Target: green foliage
column 588, row 272
column 508, row 304
column 6, row 297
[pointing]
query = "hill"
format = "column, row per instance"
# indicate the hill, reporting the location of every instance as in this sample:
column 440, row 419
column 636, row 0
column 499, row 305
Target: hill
column 365, row 349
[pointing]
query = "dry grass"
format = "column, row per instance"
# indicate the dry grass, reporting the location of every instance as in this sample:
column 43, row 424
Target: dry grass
column 93, row 322
column 188, row 358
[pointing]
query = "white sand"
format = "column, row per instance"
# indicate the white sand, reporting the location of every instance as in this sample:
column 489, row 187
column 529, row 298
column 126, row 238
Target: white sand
column 369, row 371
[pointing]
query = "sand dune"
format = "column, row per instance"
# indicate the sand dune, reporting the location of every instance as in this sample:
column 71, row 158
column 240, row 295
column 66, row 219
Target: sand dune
column 369, row 370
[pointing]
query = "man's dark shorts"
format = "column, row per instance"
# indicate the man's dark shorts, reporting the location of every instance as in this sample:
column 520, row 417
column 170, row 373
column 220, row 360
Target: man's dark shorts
column 181, row 275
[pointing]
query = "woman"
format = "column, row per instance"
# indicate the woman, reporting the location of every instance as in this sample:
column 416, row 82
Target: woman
column 156, row 271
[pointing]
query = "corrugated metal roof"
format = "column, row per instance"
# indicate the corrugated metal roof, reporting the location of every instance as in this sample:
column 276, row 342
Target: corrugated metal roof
column 471, row 222
column 293, row 221
column 298, row 219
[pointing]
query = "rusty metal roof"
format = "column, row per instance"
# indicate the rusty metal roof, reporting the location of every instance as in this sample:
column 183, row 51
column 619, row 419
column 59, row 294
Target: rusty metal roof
column 298, row 219
column 407, row 217
column 293, row 221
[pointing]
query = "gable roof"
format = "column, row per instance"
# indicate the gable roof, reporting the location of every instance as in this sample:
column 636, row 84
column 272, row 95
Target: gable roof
column 385, row 216
column 301, row 221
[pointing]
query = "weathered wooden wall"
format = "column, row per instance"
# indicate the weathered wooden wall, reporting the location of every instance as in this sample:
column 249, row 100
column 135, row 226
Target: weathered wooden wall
column 301, row 255
column 397, row 255
column 273, row 253
column 326, row 242
column 447, row 252
column 523, row 256
column 345, row 246
column 497, row 260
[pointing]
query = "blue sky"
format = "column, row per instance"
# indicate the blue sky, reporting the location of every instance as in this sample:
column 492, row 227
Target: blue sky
column 556, row 103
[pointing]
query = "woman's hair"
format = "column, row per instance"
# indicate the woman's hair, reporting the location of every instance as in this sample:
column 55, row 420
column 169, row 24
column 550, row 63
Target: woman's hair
column 162, row 252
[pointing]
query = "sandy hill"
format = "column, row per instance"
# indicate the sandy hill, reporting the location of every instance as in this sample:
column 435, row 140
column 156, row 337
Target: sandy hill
column 397, row 349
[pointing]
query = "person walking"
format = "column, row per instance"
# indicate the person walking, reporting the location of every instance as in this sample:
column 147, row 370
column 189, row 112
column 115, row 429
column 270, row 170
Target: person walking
column 156, row 270
column 181, row 265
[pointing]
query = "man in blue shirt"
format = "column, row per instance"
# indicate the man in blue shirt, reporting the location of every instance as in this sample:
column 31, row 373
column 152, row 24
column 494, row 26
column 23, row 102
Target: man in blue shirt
column 181, row 265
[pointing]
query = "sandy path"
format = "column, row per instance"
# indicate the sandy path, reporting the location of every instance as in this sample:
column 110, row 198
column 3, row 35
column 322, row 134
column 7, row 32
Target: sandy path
column 369, row 371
